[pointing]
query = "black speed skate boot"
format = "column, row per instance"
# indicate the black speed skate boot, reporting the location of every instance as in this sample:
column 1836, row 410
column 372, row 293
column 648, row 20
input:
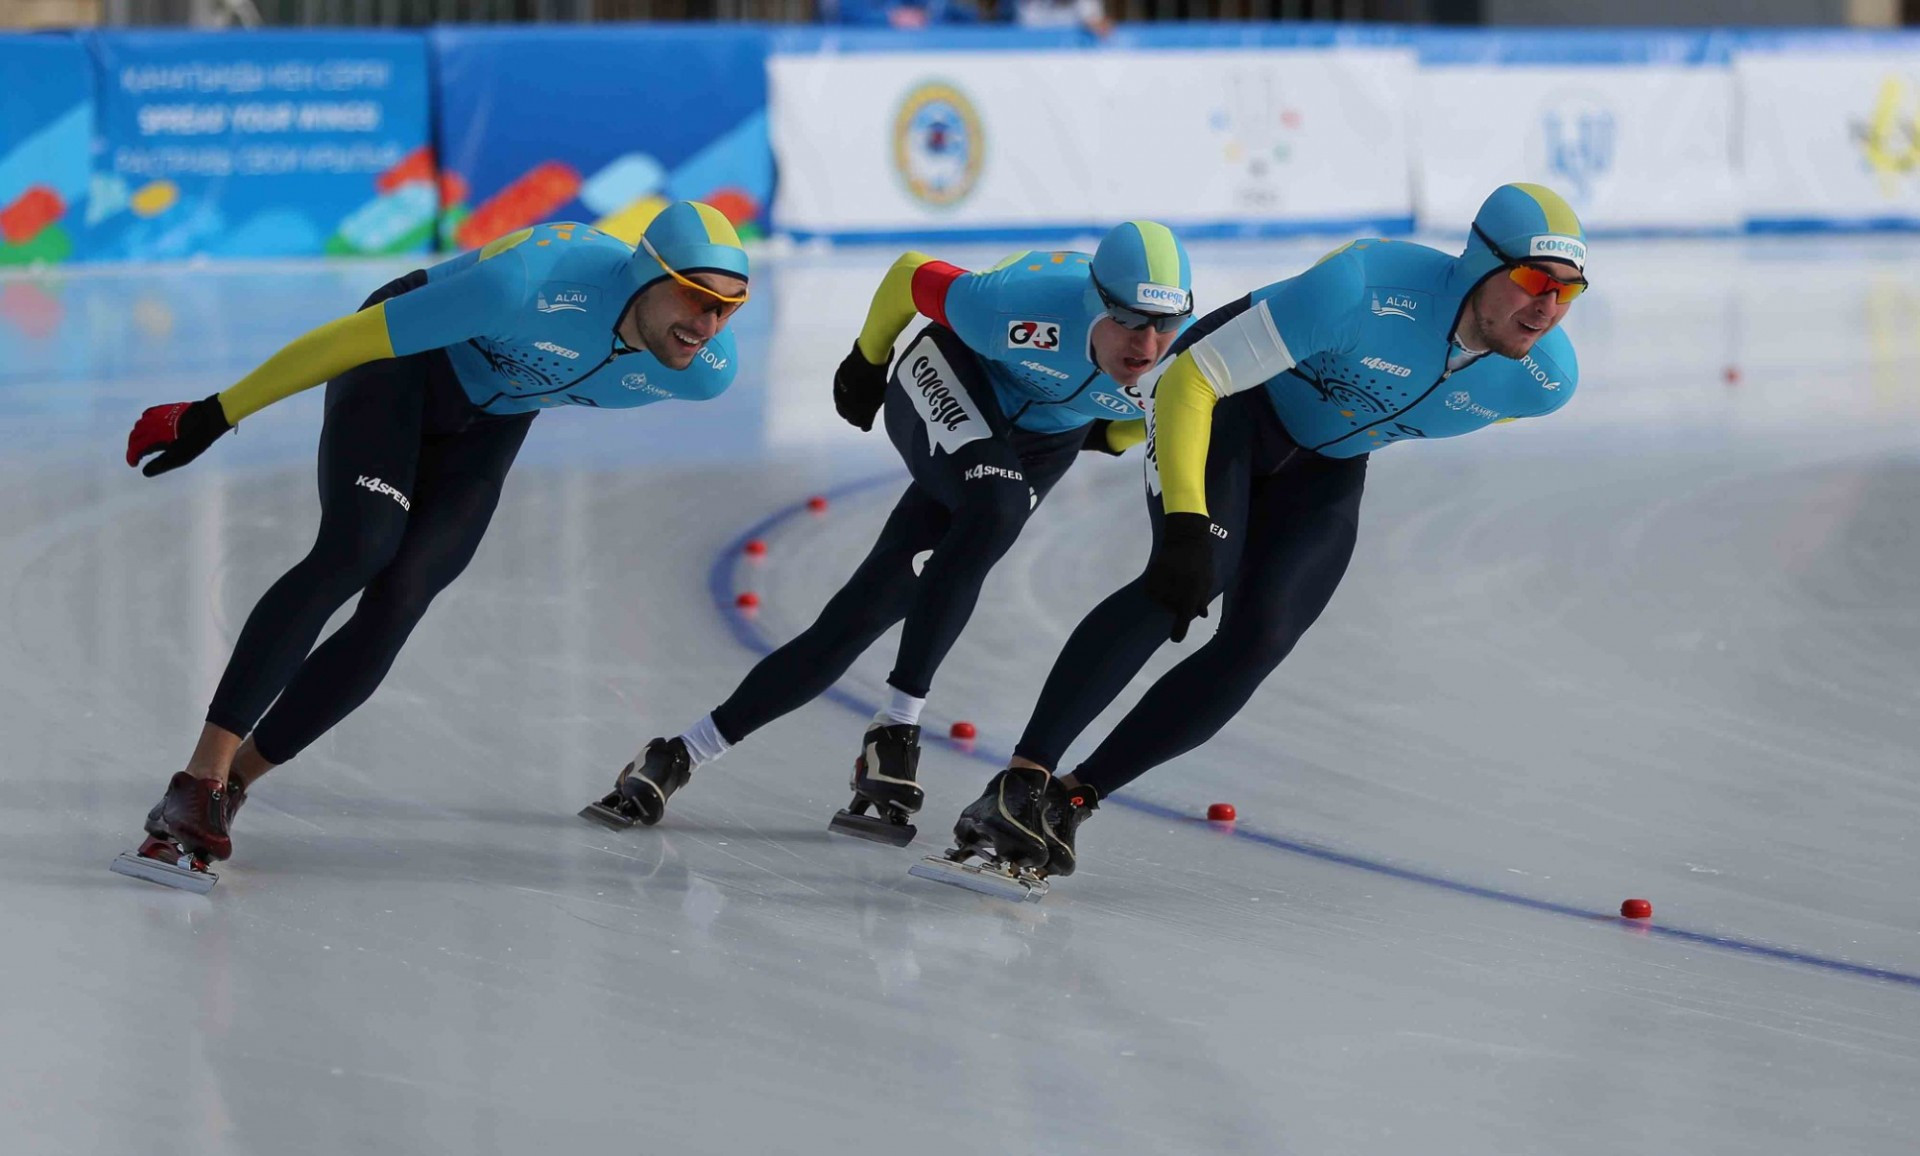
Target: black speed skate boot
column 186, row 831
column 1067, row 808
column 884, row 779
column 641, row 792
column 1010, row 819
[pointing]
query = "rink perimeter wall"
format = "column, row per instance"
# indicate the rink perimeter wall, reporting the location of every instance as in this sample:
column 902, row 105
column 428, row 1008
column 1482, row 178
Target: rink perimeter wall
column 120, row 146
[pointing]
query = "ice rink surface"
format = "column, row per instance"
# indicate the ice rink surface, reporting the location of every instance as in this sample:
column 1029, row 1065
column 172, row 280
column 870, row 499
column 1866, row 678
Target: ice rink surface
column 1665, row 644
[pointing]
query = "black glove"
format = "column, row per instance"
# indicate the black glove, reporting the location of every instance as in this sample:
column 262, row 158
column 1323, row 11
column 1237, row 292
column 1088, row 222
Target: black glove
column 1097, row 439
column 181, row 432
column 1180, row 574
column 859, row 387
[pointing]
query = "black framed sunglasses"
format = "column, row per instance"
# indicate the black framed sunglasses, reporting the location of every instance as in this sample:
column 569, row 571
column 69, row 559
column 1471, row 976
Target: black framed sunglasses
column 1127, row 317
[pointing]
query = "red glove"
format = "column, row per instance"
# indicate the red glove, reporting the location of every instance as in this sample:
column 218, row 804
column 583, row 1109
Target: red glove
column 179, row 433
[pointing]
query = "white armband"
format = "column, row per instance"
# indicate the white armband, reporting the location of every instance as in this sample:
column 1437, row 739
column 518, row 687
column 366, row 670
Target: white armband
column 1242, row 353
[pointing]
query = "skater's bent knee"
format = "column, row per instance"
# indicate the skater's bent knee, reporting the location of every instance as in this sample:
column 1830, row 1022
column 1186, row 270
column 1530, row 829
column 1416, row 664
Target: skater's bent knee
column 996, row 514
column 1255, row 650
column 358, row 553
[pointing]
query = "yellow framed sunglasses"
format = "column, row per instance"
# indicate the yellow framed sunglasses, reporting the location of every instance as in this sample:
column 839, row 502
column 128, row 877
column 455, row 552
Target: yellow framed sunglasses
column 723, row 305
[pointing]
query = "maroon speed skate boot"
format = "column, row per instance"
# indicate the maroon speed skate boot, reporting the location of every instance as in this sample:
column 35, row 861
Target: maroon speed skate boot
column 190, row 827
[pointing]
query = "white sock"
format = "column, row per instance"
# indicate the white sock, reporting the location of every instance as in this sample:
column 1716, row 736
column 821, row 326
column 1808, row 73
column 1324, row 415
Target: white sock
column 704, row 742
column 902, row 708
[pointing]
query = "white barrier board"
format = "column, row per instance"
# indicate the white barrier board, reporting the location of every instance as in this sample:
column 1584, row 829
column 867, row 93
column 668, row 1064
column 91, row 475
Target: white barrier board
column 1830, row 138
column 1642, row 147
column 915, row 142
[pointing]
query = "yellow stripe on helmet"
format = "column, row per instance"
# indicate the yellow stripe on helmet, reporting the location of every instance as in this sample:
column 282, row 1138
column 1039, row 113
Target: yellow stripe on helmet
column 1560, row 215
column 1163, row 252
column 720, row 231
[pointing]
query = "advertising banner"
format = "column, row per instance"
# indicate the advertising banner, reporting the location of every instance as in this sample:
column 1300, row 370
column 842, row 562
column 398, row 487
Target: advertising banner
column 1830, row 140
column 918, row 143
column 163, row 145
column 603, row 124
column 260, row 144
column 46, row 138
column 1631, row 147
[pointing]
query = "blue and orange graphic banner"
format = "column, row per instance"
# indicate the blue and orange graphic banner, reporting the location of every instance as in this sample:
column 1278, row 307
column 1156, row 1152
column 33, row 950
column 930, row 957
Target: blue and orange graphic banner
column 260, row 144
column 603, row 124
column 46, row 138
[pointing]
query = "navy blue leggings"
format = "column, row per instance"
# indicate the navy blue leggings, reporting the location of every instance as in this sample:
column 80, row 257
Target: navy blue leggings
column 976, row 481
column 410, row 474
column 1285, row 521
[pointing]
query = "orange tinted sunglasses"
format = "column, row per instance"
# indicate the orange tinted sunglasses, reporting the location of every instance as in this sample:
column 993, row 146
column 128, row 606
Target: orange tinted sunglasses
column 1538, row 281
column 722, row 305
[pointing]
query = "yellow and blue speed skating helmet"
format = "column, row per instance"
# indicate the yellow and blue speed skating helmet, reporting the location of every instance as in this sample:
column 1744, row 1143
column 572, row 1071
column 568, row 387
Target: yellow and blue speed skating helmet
column 1143, row 277
column 688, row 237
column 1520, row 223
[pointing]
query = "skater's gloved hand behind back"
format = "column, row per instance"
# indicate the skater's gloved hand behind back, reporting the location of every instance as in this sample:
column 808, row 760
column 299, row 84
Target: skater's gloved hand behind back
column 179, row 433
column 1180, row 573
column 1114, row 437
column 859, row 388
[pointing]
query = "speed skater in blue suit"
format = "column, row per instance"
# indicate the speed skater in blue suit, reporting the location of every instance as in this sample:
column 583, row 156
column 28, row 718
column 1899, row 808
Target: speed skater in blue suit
column 1017, row 370
column 1258, row 439
column 432, row 386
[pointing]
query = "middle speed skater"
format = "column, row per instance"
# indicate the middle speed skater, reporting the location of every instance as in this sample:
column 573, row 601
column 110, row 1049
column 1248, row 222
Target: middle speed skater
column 1019, row 369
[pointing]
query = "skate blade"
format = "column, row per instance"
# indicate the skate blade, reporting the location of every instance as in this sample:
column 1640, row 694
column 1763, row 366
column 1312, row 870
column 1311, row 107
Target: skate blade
column 606, row 816
column 984, row 878
column 872, row 828
column 166, row 874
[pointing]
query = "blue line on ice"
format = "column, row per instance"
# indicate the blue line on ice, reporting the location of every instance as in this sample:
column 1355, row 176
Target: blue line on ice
column 720, row 587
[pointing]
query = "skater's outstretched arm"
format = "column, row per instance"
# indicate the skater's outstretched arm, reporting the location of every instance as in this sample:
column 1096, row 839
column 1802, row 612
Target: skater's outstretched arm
column 1281, row 324
column 440, row 313
column 919, row 285
column 915, row 284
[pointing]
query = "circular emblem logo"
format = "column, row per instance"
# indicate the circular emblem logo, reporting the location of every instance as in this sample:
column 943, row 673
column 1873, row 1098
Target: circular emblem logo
column 1111, row 402
column 1460, row 400
column 634, row 381
column 938, row 144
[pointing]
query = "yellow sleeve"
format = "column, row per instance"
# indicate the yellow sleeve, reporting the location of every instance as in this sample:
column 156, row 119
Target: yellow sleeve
column 310, row 359
column 1124, row 435
column 1182, row 428
column 892, row 309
